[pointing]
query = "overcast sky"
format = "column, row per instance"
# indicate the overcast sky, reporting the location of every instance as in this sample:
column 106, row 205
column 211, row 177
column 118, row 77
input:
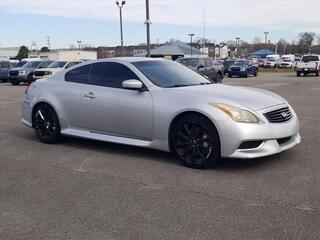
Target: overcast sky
column 97, row 21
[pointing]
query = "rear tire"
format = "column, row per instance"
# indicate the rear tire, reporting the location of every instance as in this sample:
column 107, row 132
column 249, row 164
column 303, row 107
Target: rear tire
column 298, row 74
column 46, row 124
column 317, row 73
column 230, row 75
column 15, row 82
column 196, row 141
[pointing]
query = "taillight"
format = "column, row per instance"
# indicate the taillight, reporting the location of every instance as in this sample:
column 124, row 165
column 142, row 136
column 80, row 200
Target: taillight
column 26, row 91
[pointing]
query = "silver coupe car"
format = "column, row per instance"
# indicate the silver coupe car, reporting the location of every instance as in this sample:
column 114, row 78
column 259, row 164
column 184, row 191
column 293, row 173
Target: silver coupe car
column 163, row 105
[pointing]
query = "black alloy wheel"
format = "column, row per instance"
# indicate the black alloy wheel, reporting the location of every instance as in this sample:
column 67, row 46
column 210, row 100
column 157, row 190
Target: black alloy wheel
column 46, row 124
column 196, row 142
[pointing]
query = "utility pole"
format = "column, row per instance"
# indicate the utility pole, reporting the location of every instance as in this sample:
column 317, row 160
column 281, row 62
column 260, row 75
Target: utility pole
column 79, row 44
column 266, row 37
column 204, row 29
column 120, row 6
column 191, row 35
column 147, row 22
column 48, row 41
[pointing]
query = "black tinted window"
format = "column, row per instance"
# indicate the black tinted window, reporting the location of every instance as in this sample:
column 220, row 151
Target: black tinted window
column 79, row 75
column 208, row 62
column 110, row 74
column 310, row 58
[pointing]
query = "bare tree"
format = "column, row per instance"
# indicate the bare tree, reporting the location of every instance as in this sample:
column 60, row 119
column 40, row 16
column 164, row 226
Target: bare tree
column 307, row 38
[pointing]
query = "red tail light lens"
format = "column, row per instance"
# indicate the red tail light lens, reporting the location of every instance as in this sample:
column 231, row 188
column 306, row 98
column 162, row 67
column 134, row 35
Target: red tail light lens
column 26, row 91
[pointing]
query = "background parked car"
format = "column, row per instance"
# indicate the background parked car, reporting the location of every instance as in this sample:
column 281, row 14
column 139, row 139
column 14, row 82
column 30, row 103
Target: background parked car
column 308, row 64
column 25, row 73
column 243, row 69
column 52, row 68
column 202, row 65
column 4, row 69
column 272, row 61
column 261, row 62
column 287, row 61
column 227, row 64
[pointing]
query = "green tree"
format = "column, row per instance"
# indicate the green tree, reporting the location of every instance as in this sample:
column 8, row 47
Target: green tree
column 23, row 53
column 44, row 49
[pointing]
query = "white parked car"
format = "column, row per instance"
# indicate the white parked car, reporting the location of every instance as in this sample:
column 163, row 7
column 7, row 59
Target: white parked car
column 287, row 61
column 54, row 67
column 272, row 61
column 308, row 64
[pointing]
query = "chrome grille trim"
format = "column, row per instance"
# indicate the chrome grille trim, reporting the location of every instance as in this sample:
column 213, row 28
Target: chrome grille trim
column 279, row 115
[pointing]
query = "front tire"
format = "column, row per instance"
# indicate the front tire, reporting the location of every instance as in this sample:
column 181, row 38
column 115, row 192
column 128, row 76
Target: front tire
column 196, row 141
column 298, row 74
column 15, row 82
column 46, row 124
column 317, row 73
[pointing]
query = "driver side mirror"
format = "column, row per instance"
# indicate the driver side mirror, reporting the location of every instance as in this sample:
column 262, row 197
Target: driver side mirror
column 132, row 84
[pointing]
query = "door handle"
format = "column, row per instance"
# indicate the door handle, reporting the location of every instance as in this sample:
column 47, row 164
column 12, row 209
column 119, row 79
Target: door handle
column 90, row 95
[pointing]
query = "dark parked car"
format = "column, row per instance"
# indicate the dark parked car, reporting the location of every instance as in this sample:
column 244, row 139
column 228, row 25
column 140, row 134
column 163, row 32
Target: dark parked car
column 243, row 69
column 4, row 69
column 227, row 64
column 202, row 65
column 25, row 73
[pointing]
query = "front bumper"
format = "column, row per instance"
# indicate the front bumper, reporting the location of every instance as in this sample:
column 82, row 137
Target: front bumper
column 26, row 112
column 18, row 78
column 233, row 135
column 237, row 73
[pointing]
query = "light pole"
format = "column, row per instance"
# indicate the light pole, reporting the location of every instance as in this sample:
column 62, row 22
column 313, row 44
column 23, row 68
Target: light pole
column 147, row 22
column 120, row 6
column 238, row 45
column 79, row 45
column 191, row 35
column 266, row 37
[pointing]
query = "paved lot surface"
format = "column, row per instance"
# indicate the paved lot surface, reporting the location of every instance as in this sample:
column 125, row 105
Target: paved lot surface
column 83, row 189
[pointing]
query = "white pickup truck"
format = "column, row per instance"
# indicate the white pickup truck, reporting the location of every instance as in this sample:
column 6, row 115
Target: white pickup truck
column 308, row 64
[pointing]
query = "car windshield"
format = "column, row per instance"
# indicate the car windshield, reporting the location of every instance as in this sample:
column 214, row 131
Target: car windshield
column 228, row 63
column 57, row 64
column 287, row 60
column 32, row 64
column 189, row 62
column 168, row 74
column 4, row 64
column 241, row 63
column 271, row 59
column 310, row 58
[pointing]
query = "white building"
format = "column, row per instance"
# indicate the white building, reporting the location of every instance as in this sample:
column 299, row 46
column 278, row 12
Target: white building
column 66, row 55
column 9, row 52
column 221, row 51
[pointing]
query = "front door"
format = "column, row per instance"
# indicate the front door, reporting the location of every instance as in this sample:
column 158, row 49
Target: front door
column 110, row 109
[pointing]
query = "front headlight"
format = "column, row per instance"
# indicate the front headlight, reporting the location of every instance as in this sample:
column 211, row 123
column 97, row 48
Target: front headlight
column 22, row 73
column 242, row 69
column 237, row 114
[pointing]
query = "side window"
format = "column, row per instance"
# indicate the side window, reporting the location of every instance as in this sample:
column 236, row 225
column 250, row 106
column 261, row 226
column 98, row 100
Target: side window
column 4, row 65
column 201, row 63
column 79, row 75
column 208, row 62
column 110, row 74
column 70, row 64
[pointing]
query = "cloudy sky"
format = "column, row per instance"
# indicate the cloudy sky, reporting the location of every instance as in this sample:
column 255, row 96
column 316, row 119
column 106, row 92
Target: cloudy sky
column 96, row 22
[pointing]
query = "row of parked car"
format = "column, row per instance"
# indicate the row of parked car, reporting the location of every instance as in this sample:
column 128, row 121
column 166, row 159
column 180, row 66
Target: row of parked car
column 29, row 70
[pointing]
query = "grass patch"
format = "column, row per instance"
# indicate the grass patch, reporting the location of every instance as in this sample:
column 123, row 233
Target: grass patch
column 276, row 70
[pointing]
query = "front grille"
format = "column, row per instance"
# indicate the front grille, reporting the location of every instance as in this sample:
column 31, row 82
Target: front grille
column 279, row 115
column 235, row 69
column 39, row 73
column 13, row 73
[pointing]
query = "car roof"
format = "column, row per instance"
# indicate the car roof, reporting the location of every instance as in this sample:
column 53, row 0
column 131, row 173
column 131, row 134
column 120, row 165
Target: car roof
column 128, row 59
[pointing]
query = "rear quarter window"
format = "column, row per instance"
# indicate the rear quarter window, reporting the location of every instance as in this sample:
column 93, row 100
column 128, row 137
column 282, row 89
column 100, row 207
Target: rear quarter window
column 79, row 75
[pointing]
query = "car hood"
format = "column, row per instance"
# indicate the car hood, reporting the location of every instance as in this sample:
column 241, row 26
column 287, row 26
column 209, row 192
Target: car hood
column 251, row 98
column 50, row 69
column 22, row 69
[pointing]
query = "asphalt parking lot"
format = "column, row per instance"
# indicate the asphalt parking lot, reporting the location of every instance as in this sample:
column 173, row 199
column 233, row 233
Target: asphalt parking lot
column 82, row 189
